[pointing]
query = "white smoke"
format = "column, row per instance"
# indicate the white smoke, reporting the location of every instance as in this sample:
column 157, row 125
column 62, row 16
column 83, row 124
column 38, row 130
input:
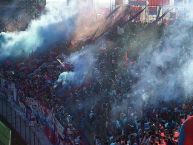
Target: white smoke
column 84, row 63
column 187, row 77
column 56, row 24
column 166, row 73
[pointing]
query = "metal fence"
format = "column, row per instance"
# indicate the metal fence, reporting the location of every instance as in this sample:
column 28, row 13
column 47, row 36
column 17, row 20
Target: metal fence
column 21, row 125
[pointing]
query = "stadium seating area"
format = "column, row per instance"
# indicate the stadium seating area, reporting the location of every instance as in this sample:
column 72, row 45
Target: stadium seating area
column 95, row 112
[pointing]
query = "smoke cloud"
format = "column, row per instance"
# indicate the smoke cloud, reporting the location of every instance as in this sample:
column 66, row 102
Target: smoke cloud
column 55, row 25
column 83, row 62
column 165, row 72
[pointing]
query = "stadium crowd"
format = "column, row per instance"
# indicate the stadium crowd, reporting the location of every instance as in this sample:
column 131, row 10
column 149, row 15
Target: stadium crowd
column 99, row 111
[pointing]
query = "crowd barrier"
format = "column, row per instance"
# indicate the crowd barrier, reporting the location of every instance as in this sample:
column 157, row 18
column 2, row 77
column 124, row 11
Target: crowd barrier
column 8, row 113
column 35, row 112
column 21, row 115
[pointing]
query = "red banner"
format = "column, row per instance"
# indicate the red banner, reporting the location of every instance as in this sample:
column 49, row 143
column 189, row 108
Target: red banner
column 158, row 2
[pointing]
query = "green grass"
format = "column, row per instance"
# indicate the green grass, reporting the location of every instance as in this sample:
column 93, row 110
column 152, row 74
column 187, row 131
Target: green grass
column 5, row 134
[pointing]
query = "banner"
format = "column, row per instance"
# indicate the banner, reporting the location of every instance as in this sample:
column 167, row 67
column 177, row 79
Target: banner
column 137, row 3
column 158, row 2
column 152, row 10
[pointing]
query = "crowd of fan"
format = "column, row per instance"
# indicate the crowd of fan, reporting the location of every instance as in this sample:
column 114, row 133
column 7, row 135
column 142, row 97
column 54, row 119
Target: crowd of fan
column 152, row 125
column 98, row 112
column 148, row 124
column 95, row 110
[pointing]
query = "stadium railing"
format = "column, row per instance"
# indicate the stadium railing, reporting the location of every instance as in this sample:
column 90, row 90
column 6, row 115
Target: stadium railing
column 22, row 127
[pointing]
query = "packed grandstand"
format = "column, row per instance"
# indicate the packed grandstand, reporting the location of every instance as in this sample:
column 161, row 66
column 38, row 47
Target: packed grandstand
column 115, row 81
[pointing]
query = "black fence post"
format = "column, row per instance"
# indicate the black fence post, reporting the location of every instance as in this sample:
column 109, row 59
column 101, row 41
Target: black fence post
column 15, row 118
column 5, row 110
column 34, row 139
column 20, row 125
column 30, row 135
column 25, row 129
column 2, row 107
column 11, row 115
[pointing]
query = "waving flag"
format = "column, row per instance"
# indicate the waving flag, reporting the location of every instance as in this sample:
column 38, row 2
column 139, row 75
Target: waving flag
column 186, row 133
